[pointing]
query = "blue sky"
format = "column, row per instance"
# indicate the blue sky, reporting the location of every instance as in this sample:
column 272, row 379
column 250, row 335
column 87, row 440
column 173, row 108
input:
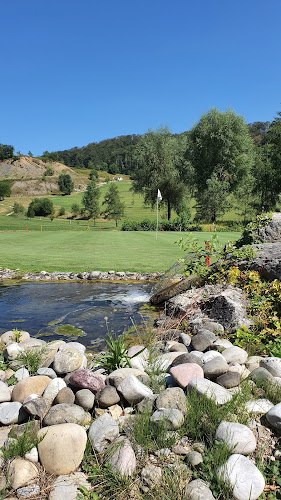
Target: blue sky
column 79, row 71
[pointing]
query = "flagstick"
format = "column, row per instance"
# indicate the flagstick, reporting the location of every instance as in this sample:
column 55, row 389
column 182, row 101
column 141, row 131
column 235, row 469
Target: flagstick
column 157, row 219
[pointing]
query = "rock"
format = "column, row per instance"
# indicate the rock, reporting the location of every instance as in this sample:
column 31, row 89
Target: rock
column 273, row 416
column 32, row 455
column 12, row 351
column 267, row 261
column 273, row 365
column 164, row 361
column 202, row 340
column 172, row 417
column 229, row 380
column 10, row 337
column 4, row 432
column 133, row 390
column 151, row 476
column 85, row 379
column 30, row 344
column 215, row 367
column 20, row 472
column 66, row 361
column 171, row 398
column 260, row 375
column 210, row 355
column 122, row 457
column 66, row 487
column 210, row 389
column 138, row 350
column 12, row 413
column 37, row 407
column 214, row 327
column 241, row 369
column 108, row 396
column 30, row 385
column 194, row 458
column 62, row 448
column 243, row 476
column 147, row 404
column 53, row 388
column 253, row 362
column 64, row 413
column 221, row 344
column 102, row 432
column 178, row 347
column 228, row 308
column 184, row 338
column 73, row 345
column 28, row 491
column 235, row 354
column 5, row 394
column 183, row 374
column 65, row 395
column 238, row 437
column 85, row 398
column 49, row 372
column 198, row 490
column 115, row 377
column 21, row 374
column 191, row 357
column 259, row 406
column 3, row 377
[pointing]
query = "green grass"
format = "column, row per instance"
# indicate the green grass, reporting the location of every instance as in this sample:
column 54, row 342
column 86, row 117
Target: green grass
column 94, row 250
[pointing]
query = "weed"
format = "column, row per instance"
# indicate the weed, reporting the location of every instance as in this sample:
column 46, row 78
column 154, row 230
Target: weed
column 17, row 334
column 12, row 380
column 23, row 443
column 154, row 370
column 3, row 364
column 149, row 435
column 32, row 360
column 85, row 494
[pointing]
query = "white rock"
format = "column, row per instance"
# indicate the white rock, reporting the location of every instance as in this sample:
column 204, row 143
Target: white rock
column 243, row 476
column 21, row 373
column 133, row 389
column 32, row 455
column 102, row 432
column 20, row 472
column 163, row 362
column 235, row 354
column 12, row 351
column 123, row 459
column 273, row 365
column 75, row 345
column 260, row 406
column 222, row 344
column 172, row 417
column 11, row 413
column 209, row 355
column 238, row 436
column 5, row 393
column 273, row 416
column 66, row 487
column 53, row 389
column 211, row 390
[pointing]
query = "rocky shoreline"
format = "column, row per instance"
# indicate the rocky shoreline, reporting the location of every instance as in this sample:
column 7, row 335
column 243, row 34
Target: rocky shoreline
column 71, row 399
column 6, row 274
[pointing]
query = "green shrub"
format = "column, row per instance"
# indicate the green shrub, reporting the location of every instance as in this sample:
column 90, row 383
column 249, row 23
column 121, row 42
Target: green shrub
column 40, row 206
column 62, row 211
column 23, row 443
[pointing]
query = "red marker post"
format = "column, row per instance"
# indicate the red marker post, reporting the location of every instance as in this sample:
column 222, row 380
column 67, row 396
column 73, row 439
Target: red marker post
column 207, row 258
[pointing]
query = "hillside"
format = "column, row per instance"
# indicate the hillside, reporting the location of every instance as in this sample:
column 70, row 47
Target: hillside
column 32, row 177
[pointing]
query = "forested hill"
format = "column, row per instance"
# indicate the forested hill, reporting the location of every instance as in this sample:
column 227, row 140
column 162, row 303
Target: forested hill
column 116, row 155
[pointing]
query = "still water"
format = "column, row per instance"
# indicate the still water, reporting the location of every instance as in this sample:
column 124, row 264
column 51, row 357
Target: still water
column 43, row 307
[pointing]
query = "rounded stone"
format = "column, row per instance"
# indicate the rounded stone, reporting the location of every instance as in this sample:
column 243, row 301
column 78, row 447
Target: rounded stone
column 102, row 432
column 20, row 472
column 273, row 416
column 173, row 418
column 202, row 340
column 215, row 367
column 12, row 413
column 237, row 436
column 73, row 345
column 198, row 490
column 85, row 398
column 183, row 374
column 65, row 395
column 62, row 448
column 53, row 388
column 64, row 413
column 235, row 354
column 10, row 336
column 5, row 394
column 122, row 459
column 173, row 397
column 273, row 365
column 66, row 361
column 108, row 396
column 30, row 385
column 49, row 372
column 229, row 380
column 194, row 458
column 21, row 374
column 37, row 407
column 133, row 390
column 85, row 379
column 243, row 476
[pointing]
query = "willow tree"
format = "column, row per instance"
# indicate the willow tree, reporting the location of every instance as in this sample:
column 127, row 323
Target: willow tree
column 159, row 157
column 221, row 151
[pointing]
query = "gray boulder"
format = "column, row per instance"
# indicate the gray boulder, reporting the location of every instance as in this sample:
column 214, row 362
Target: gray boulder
column 102, row 432
column 173, row 397
column 228, row 308
column 243, row 476
column 238, row 437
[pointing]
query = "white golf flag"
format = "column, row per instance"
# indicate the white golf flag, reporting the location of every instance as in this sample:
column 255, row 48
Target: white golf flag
column 159, row 197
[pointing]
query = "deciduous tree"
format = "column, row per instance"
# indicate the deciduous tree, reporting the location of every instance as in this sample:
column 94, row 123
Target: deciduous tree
column 65, row 183
column 90, row 201
column 114, row 207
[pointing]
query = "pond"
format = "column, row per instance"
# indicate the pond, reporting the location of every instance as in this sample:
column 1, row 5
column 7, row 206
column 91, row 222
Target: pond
column 43, row 309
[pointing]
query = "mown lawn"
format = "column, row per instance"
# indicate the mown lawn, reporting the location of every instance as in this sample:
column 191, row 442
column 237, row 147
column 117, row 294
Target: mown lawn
column 94, row 250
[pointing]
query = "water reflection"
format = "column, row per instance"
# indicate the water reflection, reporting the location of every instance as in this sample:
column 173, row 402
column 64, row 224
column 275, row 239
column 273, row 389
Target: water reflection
column 45, row 306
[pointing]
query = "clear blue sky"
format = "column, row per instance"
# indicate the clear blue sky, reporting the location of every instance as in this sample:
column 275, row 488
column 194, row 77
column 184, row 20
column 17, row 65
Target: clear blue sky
column 79, row 71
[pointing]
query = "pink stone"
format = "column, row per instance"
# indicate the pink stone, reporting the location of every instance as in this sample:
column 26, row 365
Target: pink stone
column 85, row 379
column 184, row 373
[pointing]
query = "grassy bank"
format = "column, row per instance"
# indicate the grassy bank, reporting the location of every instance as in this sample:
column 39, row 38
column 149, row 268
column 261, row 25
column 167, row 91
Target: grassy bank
column 100, row 250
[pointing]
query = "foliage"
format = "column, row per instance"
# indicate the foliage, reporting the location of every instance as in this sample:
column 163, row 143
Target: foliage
column 150, row 435
column 271, row 470
column 66, row 184
column 90, row 200
column 213, row 202
column 40, row 206
column 23, row 444
column 116, row 356
column 17, row 334
column 114, row 207
column 5, row 189
column 161, row 165
column 195, row 259
column 251, row 232
column 32, row 360
column 75, row 209
column 6, row 151
column 93, row 175
column 179, row 223
column 18, row 208
column 62, row 211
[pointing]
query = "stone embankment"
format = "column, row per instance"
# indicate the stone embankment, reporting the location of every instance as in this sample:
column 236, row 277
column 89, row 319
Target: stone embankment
column 70, row 276
column 71, row 399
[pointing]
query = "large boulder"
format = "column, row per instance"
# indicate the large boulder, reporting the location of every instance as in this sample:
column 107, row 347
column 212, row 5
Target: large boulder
column 268, row 260
column 228, row 307
column 30, row 385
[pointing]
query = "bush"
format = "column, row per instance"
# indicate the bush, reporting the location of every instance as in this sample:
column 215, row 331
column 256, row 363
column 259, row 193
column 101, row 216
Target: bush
column 62, row 211
column 66, row 184
column 18, row 208
column 40, row 206
column 5, row 189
